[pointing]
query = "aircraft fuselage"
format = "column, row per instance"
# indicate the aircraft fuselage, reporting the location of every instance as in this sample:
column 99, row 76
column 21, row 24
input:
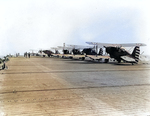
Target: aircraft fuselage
column 116, row 52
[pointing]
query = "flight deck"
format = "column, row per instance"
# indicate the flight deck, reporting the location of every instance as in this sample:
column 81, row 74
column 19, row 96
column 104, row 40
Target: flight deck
column 64, row 87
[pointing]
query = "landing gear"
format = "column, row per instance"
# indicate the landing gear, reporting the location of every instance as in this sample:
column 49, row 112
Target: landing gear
column 106, row 60
column 99, row 60
column 83, row 58
column 119, row 61
column 71, row 57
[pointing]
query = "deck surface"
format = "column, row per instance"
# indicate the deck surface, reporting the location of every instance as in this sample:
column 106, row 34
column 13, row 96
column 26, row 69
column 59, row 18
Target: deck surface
column 64, row 87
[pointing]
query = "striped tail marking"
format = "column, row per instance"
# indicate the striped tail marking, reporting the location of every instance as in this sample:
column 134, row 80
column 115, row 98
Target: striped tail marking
column 136, row 53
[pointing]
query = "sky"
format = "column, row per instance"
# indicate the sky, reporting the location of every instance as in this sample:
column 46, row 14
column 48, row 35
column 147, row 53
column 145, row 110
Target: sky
column 27, row 25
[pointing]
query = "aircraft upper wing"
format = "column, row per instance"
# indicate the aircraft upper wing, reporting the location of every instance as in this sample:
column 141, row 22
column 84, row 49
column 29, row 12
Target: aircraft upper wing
column 80, row 46
column 68, row 48
column 116, row 45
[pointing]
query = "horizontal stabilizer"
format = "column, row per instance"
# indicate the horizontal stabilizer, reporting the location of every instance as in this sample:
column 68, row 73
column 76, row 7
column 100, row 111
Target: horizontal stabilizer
column 128, row 59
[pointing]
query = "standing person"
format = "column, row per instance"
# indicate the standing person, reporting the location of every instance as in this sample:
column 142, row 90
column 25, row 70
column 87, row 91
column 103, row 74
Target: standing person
column 26, row 54
column 29, row 54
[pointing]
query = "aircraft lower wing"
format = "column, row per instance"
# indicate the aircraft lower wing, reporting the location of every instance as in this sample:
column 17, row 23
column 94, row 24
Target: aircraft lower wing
column 97, row 57
column 67, row 55
column 55, row 55
column 60, row 55
column 79, row 56
column 82, row 57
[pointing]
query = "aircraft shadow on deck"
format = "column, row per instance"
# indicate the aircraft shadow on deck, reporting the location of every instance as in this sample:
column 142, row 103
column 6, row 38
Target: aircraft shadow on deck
column 85, row 62
column 75, row 61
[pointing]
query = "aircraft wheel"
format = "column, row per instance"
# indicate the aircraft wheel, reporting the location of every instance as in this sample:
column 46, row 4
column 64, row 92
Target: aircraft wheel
column 119, row 61
column 71, row 57
column 106, row 60
column 99, row 59
column 83, row 58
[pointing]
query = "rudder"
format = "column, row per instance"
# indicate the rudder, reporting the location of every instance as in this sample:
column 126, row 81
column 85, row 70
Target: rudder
column 136, row 53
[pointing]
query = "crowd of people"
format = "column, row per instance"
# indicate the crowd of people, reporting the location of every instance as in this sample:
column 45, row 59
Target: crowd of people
column 27, row 54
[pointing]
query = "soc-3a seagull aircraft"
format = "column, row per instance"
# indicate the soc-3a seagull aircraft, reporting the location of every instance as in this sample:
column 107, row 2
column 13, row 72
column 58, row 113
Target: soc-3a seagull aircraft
column 119, row 53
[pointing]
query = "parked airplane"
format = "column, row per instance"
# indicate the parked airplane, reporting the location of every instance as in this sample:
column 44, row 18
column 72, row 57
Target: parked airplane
column 56, row 53
column 74, row 51
column 93, row 55
column 79, row 51
column 118, row 52
column 42, row 53
column 88, row 52
column 46, row 52
column 66, row 52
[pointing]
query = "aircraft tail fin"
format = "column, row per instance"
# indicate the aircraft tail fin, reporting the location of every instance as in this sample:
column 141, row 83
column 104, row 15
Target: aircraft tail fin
column 136, row 53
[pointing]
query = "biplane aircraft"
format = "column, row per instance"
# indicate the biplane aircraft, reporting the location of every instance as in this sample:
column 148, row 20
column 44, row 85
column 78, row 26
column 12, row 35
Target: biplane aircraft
column 66, row 52
column 92, row 54
column 84, row 52
column 79, row 51
column 89, row 53
column 45, row 53
column 48, row 52
column 56, row 53
column 119, row 53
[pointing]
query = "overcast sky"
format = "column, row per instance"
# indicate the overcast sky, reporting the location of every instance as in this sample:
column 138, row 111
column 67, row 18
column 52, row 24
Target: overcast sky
column 42, row 24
